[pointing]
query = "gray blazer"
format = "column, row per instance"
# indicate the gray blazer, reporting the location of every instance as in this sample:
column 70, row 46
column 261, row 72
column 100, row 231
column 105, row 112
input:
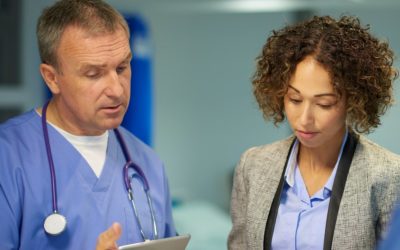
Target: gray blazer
column 371, row 190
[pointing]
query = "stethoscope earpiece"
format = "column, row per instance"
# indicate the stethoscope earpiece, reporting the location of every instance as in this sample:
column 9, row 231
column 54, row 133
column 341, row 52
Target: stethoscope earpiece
column 55, row 224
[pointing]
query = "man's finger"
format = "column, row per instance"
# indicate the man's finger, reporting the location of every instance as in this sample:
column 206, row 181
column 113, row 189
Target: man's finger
column 107, row 239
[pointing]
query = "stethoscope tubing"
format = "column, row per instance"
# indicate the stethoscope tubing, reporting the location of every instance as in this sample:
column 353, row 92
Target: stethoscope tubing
column 127, row 180
column 130, row 163
column 50, row 159
column 128, row 186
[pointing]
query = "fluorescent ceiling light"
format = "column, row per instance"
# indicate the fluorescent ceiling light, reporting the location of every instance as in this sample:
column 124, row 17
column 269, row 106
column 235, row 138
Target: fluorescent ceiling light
column 249, row 6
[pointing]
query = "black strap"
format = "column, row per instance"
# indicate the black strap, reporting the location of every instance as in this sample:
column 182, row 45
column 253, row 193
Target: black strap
column 338, row 188
column 273, row 212
column 337, row 192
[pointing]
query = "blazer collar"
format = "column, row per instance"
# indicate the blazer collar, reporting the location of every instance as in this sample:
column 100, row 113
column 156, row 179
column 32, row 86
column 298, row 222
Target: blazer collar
column 337, row 192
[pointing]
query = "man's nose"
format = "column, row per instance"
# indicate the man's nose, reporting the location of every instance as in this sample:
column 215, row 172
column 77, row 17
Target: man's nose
column 114, row 87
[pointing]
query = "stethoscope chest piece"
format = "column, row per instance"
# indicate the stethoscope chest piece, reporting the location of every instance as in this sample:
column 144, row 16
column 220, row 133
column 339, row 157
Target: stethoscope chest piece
column 55, row 224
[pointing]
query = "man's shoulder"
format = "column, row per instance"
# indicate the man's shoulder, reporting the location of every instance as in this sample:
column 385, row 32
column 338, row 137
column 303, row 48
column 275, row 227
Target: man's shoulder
column 17, row 140
column 131, row 138
column 137, row 145
column 21, row 126
column 17, row 121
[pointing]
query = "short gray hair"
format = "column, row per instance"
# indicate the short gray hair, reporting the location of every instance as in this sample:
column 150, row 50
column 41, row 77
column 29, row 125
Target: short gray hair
column 95, row 16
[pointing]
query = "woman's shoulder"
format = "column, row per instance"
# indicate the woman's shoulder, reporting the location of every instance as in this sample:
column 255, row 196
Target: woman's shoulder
column 264, row 160
column 373, row 150
column 376, row 158
column 275, row 149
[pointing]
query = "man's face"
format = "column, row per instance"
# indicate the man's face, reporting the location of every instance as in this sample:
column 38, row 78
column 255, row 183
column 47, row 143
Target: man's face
column 93, row 81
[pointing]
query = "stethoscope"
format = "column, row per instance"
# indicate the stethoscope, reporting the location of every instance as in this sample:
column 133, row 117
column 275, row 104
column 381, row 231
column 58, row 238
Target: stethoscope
column 55, row 223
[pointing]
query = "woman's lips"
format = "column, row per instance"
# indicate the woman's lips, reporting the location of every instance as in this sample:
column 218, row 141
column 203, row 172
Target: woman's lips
column 306, row 134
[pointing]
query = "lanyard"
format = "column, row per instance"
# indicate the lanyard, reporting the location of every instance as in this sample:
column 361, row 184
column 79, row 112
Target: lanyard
column 336, row 197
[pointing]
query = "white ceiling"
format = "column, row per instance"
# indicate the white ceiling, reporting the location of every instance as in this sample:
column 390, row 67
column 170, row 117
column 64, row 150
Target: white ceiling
column 248, row 6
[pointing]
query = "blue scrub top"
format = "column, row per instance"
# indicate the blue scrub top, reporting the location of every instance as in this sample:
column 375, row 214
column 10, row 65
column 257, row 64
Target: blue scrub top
column 90, row 204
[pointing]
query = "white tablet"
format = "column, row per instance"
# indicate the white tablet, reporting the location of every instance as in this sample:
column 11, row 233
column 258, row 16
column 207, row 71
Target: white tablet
column 172, row 243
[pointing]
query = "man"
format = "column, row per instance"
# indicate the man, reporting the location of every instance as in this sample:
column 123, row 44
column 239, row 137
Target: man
column 82, row 200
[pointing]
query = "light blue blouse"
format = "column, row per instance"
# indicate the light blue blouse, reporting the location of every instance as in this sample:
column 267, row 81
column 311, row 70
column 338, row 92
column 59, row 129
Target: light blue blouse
column 301, row 219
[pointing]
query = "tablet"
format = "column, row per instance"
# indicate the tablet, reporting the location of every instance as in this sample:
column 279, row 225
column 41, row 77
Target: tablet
column 172, row 243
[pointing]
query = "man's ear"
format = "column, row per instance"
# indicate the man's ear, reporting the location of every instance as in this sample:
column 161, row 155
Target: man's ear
column 49, row 74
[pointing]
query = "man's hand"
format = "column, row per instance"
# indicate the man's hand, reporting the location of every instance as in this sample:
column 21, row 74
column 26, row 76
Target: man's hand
column 107, row 240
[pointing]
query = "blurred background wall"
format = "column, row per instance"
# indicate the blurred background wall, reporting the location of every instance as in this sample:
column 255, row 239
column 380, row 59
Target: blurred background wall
column 203, row 56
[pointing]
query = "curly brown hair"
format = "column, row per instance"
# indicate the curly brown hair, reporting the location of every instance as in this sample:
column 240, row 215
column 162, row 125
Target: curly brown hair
column 360, row 66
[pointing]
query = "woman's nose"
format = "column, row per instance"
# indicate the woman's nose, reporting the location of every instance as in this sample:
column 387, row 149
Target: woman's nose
column 306, row 115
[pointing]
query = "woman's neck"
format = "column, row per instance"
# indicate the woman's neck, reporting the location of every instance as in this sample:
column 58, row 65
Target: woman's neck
column 323, row 156
column 316, row 164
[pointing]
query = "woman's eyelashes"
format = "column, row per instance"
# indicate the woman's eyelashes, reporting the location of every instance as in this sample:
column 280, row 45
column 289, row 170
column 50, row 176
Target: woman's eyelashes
column 323, row 105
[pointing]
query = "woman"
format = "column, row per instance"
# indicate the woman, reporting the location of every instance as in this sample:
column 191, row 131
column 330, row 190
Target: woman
column 327, row 186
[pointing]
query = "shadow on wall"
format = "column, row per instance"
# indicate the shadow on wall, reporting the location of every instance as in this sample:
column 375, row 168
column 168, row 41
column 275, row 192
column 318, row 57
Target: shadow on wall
column 208, row 224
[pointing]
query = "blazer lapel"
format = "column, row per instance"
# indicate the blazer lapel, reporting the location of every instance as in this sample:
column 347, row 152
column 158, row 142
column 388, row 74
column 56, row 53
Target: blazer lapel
column 338, row 188
column 265, row 173
column 272, row 197
column 273, row 212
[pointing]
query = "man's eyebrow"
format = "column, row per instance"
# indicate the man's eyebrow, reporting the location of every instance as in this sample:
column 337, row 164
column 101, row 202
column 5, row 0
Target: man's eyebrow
column 87, row 66
column 318, row 95
column 128, row 57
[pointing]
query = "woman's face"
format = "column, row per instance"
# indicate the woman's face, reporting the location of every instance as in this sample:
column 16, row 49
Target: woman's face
column 314, row 111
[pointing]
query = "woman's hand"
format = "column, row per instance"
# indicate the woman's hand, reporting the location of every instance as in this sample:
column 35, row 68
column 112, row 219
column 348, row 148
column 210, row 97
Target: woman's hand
column 107, row 240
